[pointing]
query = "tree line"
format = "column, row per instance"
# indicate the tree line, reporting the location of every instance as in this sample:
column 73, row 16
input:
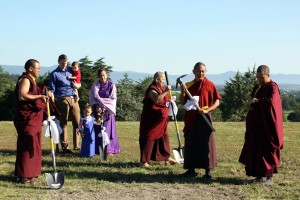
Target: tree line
column 130, row 94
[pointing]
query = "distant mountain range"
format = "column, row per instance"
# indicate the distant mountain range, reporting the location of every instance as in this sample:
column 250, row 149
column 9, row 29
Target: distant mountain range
column 288, row 81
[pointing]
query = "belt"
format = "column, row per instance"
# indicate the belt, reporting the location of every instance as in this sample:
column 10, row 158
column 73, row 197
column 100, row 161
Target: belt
column 72, row 97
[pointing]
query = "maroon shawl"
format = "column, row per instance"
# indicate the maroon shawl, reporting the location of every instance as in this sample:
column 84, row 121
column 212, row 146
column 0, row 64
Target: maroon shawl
column 264, row 131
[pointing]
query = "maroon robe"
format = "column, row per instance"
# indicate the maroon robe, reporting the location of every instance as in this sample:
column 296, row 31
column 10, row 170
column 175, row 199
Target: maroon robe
column 28, row 123
column 200, row 147
column 264, row 132
column 154, row 139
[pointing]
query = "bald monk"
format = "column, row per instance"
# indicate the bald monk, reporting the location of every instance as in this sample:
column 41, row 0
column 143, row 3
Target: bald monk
column 264, row 129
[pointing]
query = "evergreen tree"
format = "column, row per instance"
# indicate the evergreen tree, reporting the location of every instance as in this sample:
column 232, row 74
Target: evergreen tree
column 88, row 76
column 295, row 115
column 141, row 87
column 7, row 95
column 235, row 95
column 7, row 82
column 128, row 105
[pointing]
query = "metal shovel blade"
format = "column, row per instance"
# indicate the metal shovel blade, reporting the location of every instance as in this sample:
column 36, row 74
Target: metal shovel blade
column 102, row 153
column 55, row 180
column 177, row 155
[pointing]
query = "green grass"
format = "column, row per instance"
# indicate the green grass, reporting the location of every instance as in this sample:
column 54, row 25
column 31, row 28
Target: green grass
column 121, row 177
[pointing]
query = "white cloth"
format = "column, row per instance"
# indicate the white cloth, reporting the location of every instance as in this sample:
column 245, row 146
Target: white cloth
column 53, row 128
column 191, row 104
column 172, row 107
column 105, row 139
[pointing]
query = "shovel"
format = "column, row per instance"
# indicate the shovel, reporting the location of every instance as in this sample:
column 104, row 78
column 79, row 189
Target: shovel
column 102, row 148
column 177, row 152
column 56, row 179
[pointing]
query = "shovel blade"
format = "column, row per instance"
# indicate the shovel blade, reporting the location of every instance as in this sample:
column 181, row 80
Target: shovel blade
column 102, row 153
column 55, row 180
column 178, row 155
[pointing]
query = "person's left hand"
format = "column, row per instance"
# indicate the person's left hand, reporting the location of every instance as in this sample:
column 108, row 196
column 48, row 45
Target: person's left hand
column 201, row 111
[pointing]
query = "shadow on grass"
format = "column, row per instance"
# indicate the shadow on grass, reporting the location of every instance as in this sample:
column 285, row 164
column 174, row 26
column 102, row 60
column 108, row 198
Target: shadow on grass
column 138, row 174
column 169, row 178
column 9, row 152
column 143, row 175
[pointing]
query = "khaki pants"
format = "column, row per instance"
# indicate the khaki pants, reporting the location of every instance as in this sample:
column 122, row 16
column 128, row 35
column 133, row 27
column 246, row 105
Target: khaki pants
column 68, row 107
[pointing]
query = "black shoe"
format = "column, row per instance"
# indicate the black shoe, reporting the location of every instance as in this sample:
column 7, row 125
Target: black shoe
column 189, row 173
column 67, row 151
column 207, row 174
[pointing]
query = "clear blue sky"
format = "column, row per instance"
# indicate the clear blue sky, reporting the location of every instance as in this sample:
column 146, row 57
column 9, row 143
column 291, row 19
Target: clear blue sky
column 157, row 35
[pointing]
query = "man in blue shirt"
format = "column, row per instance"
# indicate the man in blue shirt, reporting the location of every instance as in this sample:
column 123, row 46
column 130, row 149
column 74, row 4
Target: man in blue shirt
column 62, row 92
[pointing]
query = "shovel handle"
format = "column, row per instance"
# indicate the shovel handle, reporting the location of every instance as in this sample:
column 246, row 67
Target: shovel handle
column 47, row 103
column 175, row 119
column 51, row 139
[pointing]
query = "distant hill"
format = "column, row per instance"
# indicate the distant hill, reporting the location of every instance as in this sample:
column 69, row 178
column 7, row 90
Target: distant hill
column 13, row 69
column 288, row 81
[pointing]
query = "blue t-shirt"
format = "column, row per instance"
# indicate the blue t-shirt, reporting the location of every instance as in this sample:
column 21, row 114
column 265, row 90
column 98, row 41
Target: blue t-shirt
column 59, row 83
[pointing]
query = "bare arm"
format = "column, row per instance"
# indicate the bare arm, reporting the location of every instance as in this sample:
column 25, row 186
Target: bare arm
column 72, row 77
column 24, row 85
column 212, row 107
column 155, row 97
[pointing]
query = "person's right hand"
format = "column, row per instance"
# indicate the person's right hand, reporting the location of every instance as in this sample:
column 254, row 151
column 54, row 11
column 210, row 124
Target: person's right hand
column 168, row 88
column 45, row 98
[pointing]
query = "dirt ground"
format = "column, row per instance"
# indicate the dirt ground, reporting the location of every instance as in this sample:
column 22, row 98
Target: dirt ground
column 147, row 192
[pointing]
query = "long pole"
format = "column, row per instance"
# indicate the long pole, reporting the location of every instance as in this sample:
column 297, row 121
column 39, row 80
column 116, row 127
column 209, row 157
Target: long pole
column 175, row 119
column 197, row 106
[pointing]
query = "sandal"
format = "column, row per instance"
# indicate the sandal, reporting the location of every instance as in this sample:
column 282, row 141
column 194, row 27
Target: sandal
column 146, row 165
column 24, row 180
column 171, row 161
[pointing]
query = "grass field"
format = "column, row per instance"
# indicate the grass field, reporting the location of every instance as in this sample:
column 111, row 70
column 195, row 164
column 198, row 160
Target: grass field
column 121, row 177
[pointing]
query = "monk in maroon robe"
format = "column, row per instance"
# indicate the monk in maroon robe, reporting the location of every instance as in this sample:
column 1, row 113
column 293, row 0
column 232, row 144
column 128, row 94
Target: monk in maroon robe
column 200, row 146
column 154, row 139
column 264, row 129
column 29, row 112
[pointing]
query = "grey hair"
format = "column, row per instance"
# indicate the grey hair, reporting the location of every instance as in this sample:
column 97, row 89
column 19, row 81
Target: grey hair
column 157, row 74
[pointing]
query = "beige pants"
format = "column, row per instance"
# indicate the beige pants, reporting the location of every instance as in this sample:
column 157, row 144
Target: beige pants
column 68, row 108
